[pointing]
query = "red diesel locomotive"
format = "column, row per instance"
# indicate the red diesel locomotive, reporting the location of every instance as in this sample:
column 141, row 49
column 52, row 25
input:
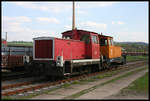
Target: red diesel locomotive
column 78, row 51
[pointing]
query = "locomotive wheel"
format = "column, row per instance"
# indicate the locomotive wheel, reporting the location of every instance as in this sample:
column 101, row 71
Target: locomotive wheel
column 95, row 68
column 89, row 69
column 29, row 68
column 123, row 60
column 106, row 65
column 52, row 78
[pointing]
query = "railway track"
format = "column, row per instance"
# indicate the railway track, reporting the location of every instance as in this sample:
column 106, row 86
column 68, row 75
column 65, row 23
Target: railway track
column 31, row 86
column 22, row 75
column 15, row 76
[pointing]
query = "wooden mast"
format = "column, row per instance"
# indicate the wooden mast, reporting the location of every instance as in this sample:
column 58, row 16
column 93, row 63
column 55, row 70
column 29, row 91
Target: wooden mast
column 73, row 19
column 6, row 37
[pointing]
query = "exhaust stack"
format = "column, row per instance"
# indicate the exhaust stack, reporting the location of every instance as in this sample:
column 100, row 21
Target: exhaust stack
column 73, row 22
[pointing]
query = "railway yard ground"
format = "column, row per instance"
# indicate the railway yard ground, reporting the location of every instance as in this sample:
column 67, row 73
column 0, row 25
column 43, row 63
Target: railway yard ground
column 99, row 89
column 128, row 83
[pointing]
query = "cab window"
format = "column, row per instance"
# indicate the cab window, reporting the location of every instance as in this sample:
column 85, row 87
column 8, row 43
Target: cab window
column 67, row 37
column 85, row 38
column 103, row 42
column 110, row 42
column 94, row 39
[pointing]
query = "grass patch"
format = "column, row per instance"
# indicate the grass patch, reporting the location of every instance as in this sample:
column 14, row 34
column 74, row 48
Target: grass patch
column 20, row 43
column 140, row 85
column 127, row 74
column 135, row 58
column 7, row 98
column 65, row 85
column 97, row 86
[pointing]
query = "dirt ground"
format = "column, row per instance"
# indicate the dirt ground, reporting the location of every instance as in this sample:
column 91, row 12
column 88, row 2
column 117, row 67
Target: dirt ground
column 113, row 88
column 128, row 95
column 108, row 91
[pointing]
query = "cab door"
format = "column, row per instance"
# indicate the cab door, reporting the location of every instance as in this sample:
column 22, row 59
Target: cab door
column 91, row 46
column 95, row 46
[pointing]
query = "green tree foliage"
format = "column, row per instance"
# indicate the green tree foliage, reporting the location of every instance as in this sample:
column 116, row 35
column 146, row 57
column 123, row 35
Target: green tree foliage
column 133, row 47
column 20, row 43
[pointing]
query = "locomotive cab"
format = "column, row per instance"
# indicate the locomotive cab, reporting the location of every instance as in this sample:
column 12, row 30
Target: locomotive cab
column 109, row 51
column 90, row 39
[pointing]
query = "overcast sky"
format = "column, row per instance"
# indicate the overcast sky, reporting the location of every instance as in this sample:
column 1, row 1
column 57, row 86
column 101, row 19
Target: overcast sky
column 125, row 21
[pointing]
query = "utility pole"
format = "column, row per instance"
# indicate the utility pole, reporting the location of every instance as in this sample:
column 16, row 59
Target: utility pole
column 73, row 22
column 6, row 37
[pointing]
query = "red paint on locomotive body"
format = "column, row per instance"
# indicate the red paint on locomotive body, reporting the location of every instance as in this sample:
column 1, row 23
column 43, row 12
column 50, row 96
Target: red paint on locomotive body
column 69, row 49
column 48, row 48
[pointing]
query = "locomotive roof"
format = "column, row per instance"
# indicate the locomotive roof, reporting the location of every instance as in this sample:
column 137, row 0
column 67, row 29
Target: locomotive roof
column 49, row 38
column 85, row 31
column 105, row 36
column 79, row 30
